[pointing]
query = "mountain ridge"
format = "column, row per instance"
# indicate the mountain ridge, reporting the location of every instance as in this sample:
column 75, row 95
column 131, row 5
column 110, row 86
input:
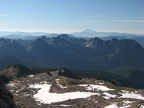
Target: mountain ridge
column 64, row 50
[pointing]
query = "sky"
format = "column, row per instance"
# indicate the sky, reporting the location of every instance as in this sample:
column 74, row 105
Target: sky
column 66, row 16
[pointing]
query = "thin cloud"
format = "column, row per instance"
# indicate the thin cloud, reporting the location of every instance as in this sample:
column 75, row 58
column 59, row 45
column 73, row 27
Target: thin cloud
column 99, row 15
column 88, row 21
column 91, row 19
column 131, row 21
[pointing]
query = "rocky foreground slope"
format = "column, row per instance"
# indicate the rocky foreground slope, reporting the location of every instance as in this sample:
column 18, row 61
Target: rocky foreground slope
column 55, row 91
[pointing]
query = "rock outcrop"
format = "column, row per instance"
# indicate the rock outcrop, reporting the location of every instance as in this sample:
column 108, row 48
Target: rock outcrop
column 6, row 98
column 62, row 72
column 15, row 71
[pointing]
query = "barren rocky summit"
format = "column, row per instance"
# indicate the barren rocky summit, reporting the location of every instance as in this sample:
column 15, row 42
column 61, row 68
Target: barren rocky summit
column 46, row 91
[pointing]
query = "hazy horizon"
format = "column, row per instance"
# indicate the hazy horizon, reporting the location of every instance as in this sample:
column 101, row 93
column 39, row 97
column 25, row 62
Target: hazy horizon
column 12, row 32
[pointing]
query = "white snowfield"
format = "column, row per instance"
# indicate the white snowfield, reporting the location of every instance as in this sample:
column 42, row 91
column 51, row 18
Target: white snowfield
column 44, row 96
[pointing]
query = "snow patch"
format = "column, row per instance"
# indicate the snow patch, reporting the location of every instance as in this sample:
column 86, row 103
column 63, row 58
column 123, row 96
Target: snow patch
column 133, row 95
column 101, row 83
column 12, row 84
column 127, row 102
column 141, row 106
column 96, row 87
column 89, row 44
column 30, row 76
column 112, row 106
column 64, row 105
column 44, row 96
column 108, row 95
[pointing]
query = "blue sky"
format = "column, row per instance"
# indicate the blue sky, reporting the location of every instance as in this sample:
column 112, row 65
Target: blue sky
column 65, row 16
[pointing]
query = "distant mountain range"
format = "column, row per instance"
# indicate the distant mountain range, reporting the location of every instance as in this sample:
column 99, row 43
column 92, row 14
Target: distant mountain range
column 89, row 33
column 5, row 33
column 78, row 53
column 85, row 34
